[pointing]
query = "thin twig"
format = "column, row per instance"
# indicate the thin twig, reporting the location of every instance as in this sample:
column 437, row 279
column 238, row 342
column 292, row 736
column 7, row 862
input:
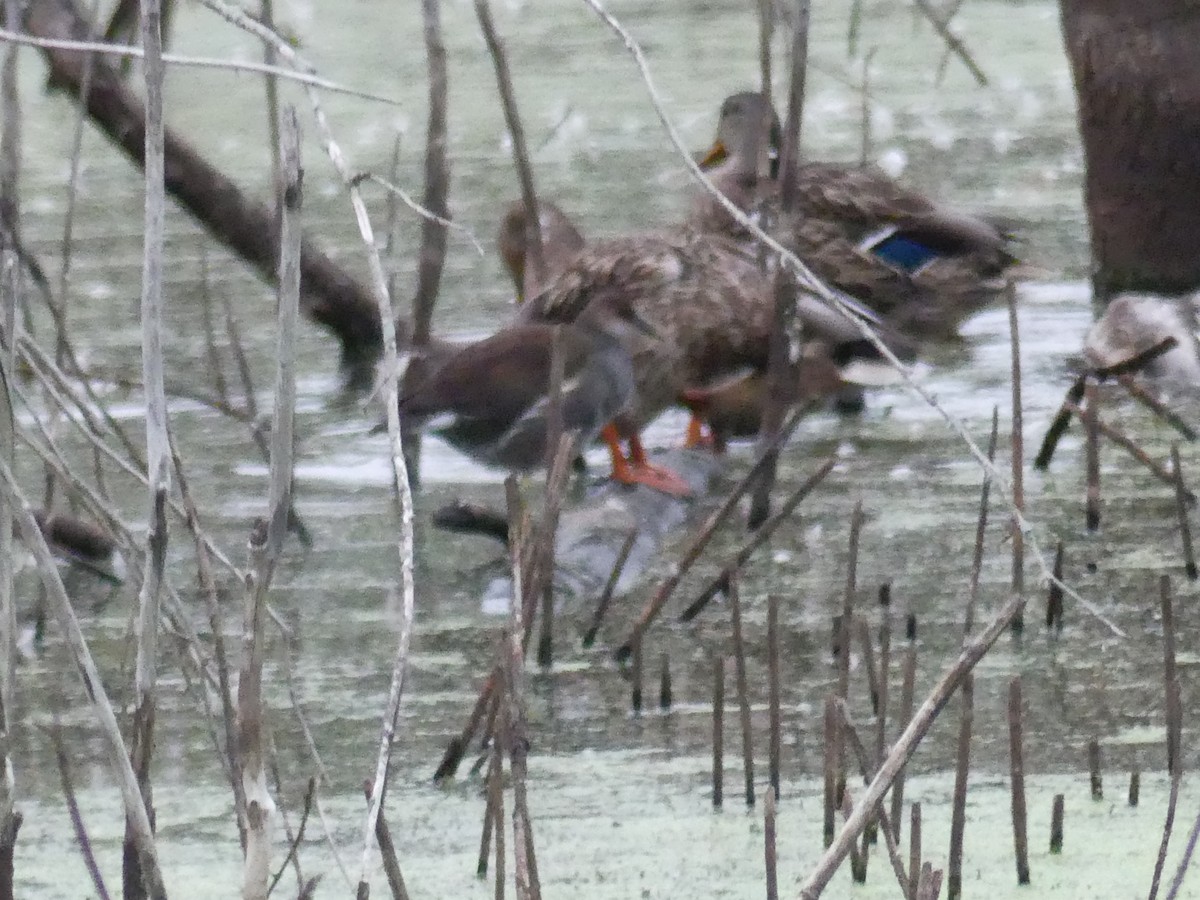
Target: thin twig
column 158, row 451
column 173, row 59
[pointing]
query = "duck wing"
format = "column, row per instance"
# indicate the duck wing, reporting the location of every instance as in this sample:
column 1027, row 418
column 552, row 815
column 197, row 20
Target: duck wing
column 498, row 378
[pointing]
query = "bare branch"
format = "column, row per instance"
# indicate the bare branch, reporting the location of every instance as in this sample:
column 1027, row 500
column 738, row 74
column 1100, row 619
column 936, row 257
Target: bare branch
column 198, row 62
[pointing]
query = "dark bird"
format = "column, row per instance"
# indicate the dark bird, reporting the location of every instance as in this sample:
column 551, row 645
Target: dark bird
column 921, row 266
column 712, row 307
column 491, row 400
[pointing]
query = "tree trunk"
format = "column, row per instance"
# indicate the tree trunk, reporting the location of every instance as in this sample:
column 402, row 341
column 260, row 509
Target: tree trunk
column 331, row 296
column 1137, row 77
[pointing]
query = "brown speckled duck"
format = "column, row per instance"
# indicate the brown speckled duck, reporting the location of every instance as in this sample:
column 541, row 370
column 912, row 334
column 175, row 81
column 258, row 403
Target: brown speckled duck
column 706, row 297
column 921, row 266
column 561, row 241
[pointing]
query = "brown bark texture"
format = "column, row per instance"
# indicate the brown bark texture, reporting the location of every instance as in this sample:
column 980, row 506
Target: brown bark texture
column 1137, row 77
column 330, row 296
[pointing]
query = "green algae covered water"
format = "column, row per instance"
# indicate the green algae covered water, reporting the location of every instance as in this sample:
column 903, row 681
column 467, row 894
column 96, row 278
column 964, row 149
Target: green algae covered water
column 621, row 803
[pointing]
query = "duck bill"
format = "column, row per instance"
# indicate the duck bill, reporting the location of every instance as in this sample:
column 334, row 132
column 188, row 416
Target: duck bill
column 713, row 157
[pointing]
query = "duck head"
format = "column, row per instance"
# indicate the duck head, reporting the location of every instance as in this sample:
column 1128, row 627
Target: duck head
column 748, row 137
column 561, row 241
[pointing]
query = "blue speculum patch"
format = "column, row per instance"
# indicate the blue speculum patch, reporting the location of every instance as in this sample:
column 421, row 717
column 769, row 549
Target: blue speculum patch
column 903, row 252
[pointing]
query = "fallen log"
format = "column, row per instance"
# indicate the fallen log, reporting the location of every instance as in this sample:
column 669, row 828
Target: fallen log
column 331, row 296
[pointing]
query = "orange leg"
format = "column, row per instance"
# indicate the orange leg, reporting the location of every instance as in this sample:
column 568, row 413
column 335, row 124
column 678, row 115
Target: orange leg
column 636, row 468
column 657, row 477
column 695, row 436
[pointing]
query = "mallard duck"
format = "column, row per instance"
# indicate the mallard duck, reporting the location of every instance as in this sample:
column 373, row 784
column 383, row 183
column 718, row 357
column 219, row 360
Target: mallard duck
column 734, row 408
column 921, row 266
column 561, row 241
column 490, row 400
column 1132, row 324
column 707, row 298
column 81, row 543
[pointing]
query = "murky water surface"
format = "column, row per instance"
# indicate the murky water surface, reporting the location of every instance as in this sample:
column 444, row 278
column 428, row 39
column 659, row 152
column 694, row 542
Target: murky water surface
column 621, row 802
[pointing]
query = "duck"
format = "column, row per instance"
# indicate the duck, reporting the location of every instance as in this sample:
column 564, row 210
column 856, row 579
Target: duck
column 490, row 400
column 1133, row 323
column 561, row 242
column 922, row 266
column 709, row 302
column 82, row 544
column 734, row 408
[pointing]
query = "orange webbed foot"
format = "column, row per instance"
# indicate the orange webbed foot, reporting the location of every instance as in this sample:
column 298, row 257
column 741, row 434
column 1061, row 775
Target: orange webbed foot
column 658, row 478
column 696, row 437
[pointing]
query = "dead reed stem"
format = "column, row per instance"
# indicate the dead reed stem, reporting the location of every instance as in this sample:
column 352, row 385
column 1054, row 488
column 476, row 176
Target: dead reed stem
column 907, row 699
column 846, row 622
column 981, row 528
column 512, row 713
column 972, row 652
column 718, row 725
column 1091, row 415
column 743, row 687
column 266, row 542
column 885, row 668
column 780, row 376
column 1156, row 406
column 493, row 788
column 1054, row 600
column 863, row 632
column 1174, row 703
column 1094, row 774
column 773, row 696
column 1016, row 747
column 293, row 855
column 1059, row 424
column 1123, row 441
column 954, row 44
column 1018, row 455
column 208, row 586
column 914, row 850
column 958, row 813
column 766, row 30
column 610, row 586
column 769, row 856
column 1181, row 512
column 929, row 887
column 535, row 270
column 1056, row 824
column 157, row 446
column 701, row 539
column 8, row 615
column 431, row 257
column 636, row 680
column 665, row 694
column 77, row 826
column 387, row 851
column 756, row 540
column 866, row 769
column 1185, row 862
column 831, row 724
column 497, row 789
